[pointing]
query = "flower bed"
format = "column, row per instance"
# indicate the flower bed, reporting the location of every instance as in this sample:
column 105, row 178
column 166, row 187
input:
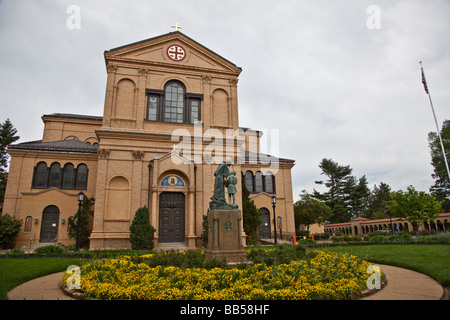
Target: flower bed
column 325, row 276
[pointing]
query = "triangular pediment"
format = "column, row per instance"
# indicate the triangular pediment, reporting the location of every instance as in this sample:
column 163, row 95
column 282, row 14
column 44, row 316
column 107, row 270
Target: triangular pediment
column 175, row 49
column 174, row 157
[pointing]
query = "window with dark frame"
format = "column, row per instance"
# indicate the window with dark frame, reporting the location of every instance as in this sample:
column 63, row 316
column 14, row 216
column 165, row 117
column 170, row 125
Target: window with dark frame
column 62, row 178
column 259, row 183
column 81, row 178
column 54, row 175
column 173, row 104
column 40, row 175
column 68, row 175
column 249, row 181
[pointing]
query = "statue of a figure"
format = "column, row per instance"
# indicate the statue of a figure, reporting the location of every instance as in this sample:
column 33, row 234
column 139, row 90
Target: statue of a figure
column 218, row 199
column 231, row 185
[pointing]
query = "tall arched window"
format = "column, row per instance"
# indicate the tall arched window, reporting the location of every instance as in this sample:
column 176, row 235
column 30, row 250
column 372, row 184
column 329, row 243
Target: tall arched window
column 55, row 175
column 268, row 182
column 81, row 178
column 258, row 182
column 68, row 176
column 249, row 181
column 40, row 175
column 174, row 102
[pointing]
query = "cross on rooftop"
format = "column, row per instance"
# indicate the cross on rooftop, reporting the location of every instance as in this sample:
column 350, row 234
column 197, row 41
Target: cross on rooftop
column 176, row 26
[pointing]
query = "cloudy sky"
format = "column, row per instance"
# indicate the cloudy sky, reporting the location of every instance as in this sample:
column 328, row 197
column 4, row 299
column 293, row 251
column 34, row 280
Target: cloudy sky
column 338, row 79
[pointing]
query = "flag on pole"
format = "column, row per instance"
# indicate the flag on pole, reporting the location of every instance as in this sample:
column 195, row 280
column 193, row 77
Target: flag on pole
column 424, row 81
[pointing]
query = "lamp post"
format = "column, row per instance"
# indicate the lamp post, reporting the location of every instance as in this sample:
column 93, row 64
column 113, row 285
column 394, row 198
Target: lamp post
column 80, row 202
column 274, row 201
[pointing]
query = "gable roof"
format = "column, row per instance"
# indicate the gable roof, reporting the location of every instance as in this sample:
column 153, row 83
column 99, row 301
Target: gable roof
column 71, row 145
column 145, row 51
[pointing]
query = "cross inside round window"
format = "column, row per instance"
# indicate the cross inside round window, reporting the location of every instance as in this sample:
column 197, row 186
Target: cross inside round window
column 176, row 52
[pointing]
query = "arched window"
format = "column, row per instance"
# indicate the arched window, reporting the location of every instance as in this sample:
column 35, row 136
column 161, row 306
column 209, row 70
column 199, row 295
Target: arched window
column 258, row 182
column 40, row 175
column 174, row 102
column 68, row 176
column 249, row 181
column 268, row 182
column 81, row 177
column 54, row 179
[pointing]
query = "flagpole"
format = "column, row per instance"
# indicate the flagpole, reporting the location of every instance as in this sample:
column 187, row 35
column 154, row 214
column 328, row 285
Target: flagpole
column 424, row 81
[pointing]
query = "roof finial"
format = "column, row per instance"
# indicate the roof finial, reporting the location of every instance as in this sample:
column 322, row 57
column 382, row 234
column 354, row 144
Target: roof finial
column 176, row 26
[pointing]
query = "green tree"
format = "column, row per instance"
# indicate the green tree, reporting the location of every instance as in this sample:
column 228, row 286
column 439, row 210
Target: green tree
column 416, row 206
column 441, row 187
column 309, row 210
column 87, row 213
column 7, row 136
column 142, row 232
column 346, row 196
column 380, row 197
column 251, row 216
column 9, row 228
column 359, row 199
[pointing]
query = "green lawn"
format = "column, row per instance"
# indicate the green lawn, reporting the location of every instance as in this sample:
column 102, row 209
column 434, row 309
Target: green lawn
column 15, row 271
column 433, row 260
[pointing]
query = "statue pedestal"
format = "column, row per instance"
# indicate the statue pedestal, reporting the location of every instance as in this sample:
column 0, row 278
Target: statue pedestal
column 224, row 236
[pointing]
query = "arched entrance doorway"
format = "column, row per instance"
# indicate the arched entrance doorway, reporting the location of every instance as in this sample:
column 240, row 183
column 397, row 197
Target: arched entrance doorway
column 171, row 217
column 264, row 227
column 49, row 224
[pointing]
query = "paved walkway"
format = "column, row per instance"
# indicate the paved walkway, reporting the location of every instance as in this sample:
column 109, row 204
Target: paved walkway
column 43, row 288
column 402, row 284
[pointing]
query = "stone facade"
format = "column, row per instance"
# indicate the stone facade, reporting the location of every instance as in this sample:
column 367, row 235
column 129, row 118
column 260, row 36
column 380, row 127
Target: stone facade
column 170, row 115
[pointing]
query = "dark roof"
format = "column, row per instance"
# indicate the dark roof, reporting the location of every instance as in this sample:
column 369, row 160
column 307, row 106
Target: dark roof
column 263, row 158
column 72, row 145
column 73, row 116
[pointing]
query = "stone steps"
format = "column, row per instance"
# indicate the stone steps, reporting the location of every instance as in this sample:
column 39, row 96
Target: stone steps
column 36, row 245
column 180, row 246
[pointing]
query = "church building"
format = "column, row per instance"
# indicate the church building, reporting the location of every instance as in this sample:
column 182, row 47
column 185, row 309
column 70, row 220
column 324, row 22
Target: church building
column 170, row 118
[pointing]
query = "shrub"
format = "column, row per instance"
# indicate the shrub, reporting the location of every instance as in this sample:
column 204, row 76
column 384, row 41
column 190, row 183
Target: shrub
column 302, row 233
column 283, row 253
column 15, row 251
column 378, row 239
column 182, row 259
column 141, row 232
column 49, row 250
column 306, row 242
column 9, row 228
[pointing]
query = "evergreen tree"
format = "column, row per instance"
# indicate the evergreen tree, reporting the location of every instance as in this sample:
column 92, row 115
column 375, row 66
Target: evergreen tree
column 379, row 199
column 7, row 136
column 441, row 187
column 340, row 184
column 87, row 213
column 347, row 196
column 141, row 232
column 251, row 216
column 359, row 199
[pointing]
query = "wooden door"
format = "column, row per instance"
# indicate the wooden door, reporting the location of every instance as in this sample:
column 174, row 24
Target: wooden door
column 264, row 227
column 49, row 224
column 171, row 217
